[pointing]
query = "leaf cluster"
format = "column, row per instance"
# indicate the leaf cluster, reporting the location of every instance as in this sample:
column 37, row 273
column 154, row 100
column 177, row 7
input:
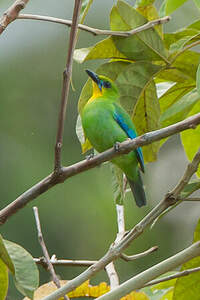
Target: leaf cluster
column 157, row 74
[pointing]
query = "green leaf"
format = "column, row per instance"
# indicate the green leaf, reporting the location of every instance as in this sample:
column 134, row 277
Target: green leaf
column 187, row 63
column 172, row 5
column 26, row 271
column 5, row 256
column 190, row 138
column 180, row 109
column 146, row 117
column 165, row 284
column 190, row 188
column 150, row 13
column 102, row 50
column 3, row 280
column 111, row 70
column 173, row 94
column 173, row 75
column 144, row 3
column 84, row 9
column 198, row 79
column 188, row 287
column 197, row 3
column 117, row 184
column 168, row 295
column 133, row 81
column 146, row 45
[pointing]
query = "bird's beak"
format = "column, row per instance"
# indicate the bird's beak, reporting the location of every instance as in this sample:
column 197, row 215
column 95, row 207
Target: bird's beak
column 95, row 78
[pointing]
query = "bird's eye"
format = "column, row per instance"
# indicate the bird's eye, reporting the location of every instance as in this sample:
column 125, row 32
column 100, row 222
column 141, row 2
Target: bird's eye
column 106, row 84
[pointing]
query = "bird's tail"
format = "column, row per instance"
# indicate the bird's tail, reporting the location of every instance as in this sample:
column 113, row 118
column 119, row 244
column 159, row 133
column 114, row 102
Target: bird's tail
column 138, row 190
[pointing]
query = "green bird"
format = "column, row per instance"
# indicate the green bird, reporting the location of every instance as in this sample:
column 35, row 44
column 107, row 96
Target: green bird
column 105, row 123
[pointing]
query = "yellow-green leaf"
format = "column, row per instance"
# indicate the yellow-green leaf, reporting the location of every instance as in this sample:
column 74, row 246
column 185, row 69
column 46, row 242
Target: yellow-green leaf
column 146, row 118
column 146, row 45
column 187, row 62
column 84, row 9
column 188, row 287
column 148, row 10
column 103, row 49
column 165, row 284
column 172, row 5
column 191, row 138
column 180, row 109
column 3, row 280
column 168, row 295
column 5, row 256
column 117, row 184
column 133, row 81
column 198, row 79
column 26, row 272
column 190, row 188
column 173, row 94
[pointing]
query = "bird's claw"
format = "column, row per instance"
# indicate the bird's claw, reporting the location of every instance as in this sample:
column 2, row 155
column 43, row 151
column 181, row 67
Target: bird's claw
column 90, row 156
column 116, row 146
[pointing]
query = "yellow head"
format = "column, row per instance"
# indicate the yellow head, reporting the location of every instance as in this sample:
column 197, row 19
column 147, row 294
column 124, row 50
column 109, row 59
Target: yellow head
column 102, row 86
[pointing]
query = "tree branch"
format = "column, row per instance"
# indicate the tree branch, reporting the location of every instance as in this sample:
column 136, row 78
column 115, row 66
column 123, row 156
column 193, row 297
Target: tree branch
column 45, row 251
column 65, row 262
column 96, row 31
column 11, row 14
column 174, row 276
column 66, row 84
column 116, row 248
column 139, row 255
column 141, row 279
column 67, row 172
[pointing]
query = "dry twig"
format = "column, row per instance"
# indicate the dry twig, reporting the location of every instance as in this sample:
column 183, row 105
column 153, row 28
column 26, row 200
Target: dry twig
column 66, row 84
column 45, row 251
column 96, row 31
column 139, row 255
column 174, row 276
column 11, row 14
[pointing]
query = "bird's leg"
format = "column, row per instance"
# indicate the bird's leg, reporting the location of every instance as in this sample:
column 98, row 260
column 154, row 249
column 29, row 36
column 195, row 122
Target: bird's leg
column 117, row 146
column 88, row 157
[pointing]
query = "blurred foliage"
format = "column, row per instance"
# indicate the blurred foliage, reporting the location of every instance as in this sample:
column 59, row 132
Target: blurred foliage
column 33, row 57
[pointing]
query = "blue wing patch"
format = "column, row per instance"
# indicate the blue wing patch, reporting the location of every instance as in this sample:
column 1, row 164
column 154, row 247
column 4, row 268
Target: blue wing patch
column 132, row 135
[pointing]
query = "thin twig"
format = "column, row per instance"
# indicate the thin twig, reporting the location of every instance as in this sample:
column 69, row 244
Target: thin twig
column 134, row 283
column 66, row 84
column 139, row 255
column 65, row 262
column 191, row 199
column 45, row 251
column 67, row 172
column 120, row 222
column 174, row 276
column 141, row 279
column 11, row 14
column 116, row 249
column 196, row 43
column 191, row 169
column 112, row 275
column 96, row 31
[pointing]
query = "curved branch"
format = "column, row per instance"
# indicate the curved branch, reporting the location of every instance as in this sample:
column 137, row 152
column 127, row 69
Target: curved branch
column 11, row 14
column 82, row 166
column 96, row 31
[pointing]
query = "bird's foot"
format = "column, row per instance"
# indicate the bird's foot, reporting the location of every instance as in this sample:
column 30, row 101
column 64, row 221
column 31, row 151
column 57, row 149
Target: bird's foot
column 117, row 146
column 90, row 156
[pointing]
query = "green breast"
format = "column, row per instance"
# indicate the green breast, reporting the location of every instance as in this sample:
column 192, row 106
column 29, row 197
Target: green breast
column 99, row 125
